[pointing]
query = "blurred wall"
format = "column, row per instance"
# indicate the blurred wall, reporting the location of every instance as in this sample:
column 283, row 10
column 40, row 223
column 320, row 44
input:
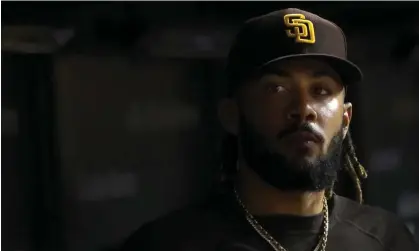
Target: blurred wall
column 133, row 143
column 389, row 108
column 16, row 208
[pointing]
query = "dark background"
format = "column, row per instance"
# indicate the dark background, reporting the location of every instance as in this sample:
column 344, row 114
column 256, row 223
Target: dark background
column 108, row 111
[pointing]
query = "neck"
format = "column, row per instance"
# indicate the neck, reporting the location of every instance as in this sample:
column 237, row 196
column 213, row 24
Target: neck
column 261, row 198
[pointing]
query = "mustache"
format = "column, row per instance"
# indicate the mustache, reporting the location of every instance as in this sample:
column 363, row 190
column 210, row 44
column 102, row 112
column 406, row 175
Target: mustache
column 306, row 127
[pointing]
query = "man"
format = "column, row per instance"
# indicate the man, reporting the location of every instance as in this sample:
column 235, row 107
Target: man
column 288, row 123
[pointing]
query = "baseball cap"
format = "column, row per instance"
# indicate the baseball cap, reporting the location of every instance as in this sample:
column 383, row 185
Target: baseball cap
column 285, row 34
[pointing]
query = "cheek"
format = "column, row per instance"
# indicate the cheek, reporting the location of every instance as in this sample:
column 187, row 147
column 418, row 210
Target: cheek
column 330, row 119
column 271, row 116
column 331, row 109
column 265, row 115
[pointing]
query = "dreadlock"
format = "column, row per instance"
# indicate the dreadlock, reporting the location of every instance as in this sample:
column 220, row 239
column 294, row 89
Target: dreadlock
column 352, row 165
column 349, row 160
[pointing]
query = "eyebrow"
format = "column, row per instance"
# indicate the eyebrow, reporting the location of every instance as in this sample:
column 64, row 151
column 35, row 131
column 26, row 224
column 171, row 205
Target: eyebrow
column 332, row 75
column 319, row 74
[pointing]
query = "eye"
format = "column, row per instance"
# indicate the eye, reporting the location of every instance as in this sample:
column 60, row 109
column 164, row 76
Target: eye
column 321, row 91
column 275, row 88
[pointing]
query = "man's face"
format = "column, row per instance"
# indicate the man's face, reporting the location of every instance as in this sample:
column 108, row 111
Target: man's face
column 292, row 121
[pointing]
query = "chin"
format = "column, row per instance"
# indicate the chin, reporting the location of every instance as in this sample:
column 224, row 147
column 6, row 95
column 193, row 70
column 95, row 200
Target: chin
column 304, row 162
column 297, row 152
column 299, row 158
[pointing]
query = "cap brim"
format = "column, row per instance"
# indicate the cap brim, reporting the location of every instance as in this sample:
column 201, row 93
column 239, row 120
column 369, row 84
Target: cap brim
column 348, row 71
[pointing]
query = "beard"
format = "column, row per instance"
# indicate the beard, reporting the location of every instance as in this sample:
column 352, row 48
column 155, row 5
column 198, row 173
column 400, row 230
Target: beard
column 283, row 173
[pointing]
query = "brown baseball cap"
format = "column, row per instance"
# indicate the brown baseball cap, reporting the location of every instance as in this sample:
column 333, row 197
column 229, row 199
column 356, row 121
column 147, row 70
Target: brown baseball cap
column 285, row 34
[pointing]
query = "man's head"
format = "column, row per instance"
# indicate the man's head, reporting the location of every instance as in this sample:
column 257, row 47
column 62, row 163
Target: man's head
column 287, row 105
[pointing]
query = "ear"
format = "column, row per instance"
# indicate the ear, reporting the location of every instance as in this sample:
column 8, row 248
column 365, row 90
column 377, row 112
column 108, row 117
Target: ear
column 228, row 114
column 347, row 116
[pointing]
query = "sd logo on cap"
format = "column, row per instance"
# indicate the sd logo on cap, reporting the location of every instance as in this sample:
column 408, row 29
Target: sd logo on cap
column 300, row 28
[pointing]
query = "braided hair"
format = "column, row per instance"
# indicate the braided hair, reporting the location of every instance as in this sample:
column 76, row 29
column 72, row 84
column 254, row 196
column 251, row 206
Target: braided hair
column 350, row 163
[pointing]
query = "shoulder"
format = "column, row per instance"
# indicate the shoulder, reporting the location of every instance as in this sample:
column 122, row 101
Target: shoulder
column 376, row 223
column 179, row 227
column 368, row 218
column 200, row 216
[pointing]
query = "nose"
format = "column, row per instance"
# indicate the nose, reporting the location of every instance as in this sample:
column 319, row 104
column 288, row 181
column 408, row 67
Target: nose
column 302, row 110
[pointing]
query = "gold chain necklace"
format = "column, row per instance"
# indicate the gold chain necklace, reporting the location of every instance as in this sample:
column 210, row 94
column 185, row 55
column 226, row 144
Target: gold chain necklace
column 321, row 245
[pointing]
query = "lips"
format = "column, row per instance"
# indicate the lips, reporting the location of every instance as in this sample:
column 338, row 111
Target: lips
column 304, row 136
